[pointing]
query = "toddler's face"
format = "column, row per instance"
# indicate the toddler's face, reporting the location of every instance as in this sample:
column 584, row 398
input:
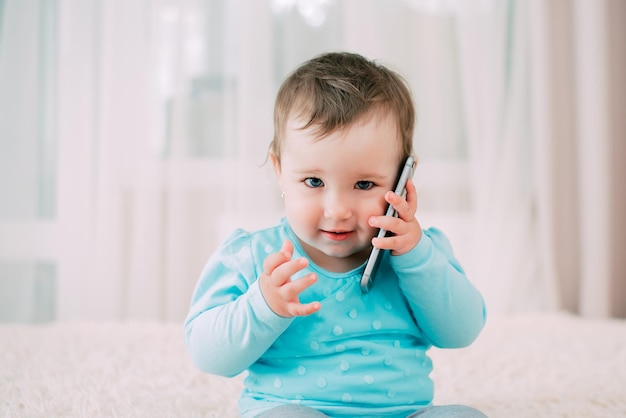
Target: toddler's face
column 332, row 185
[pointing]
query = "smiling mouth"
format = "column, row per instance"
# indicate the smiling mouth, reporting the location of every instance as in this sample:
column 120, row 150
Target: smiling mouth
column 338, row 235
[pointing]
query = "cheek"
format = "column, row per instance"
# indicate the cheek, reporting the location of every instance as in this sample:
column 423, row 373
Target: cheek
column 378, row 205
column 298, row 205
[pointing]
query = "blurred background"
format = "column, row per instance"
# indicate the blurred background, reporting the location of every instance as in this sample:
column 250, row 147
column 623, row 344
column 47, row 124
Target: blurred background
column 134, row 133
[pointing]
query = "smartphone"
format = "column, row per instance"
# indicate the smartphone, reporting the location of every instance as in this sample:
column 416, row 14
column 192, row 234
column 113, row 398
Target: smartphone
column 405, row 173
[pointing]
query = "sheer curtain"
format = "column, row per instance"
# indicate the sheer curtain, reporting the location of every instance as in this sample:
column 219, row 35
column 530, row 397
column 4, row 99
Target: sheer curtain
column 180, row 124
column 28, row 56
column 579, row 58
column 544, row 109
column 495, row 80
column 159, row 115
column 165, row 116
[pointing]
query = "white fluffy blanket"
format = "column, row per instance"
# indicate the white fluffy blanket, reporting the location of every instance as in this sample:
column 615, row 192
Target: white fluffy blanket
column 531, row 366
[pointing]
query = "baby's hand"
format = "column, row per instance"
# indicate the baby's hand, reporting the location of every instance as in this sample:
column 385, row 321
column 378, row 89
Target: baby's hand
column 405, row 228
column 280, row 293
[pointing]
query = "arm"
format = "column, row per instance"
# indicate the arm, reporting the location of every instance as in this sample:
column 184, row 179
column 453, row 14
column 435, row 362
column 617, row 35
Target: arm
column 229, row 325
column 446, row 306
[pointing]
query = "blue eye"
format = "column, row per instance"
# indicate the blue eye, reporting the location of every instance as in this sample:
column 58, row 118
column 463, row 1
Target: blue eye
column 313, row 182
column 364, row 185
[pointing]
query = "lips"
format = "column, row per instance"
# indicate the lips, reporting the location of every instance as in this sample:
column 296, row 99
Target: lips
column 337, row 235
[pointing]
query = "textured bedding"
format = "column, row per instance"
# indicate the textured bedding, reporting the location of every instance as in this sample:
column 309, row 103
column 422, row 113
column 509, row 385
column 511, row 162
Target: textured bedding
column 553, row 365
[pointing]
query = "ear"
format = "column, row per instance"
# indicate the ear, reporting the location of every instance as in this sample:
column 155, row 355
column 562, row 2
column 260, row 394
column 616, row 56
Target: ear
column 277, row 170
column 275, row 163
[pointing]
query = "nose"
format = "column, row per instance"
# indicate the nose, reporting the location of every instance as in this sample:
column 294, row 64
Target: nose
column 337, row 206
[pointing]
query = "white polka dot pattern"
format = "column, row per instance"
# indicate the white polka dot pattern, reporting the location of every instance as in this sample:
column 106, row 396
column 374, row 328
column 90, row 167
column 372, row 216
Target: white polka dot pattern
column 357, row 350
column 365, row 351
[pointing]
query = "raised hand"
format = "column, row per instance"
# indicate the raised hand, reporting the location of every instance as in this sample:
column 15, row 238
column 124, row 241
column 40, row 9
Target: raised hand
column 406, row 230
column 279, row 291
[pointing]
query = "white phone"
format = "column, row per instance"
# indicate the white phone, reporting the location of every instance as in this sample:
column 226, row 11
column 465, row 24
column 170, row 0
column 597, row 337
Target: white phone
column 406, row 172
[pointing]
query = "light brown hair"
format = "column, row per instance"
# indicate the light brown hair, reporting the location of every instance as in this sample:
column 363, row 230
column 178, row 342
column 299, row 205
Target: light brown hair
column 333, row 90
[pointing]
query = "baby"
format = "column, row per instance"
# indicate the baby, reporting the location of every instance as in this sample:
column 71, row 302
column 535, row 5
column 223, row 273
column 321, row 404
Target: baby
column 285, row 303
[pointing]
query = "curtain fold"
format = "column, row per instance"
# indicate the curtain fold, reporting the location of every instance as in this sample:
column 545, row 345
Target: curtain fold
column 172, row 170
column 494, row 52
column 576, row 55
column 616, row 33
column 600, row 61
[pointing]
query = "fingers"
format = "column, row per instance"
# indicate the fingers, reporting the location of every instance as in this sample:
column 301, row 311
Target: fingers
column 405, row 229
column 292, row 290
column 396, row 243
column 281, row 274
column 405, row 207
column 397, row 225
column 399, row 244
column 276, row 259
column 279, row 291
column 299, row 309
column 411, row 197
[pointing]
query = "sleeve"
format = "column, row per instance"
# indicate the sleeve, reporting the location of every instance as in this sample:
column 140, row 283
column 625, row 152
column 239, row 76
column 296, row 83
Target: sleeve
column 229, row 324
column 449, row 310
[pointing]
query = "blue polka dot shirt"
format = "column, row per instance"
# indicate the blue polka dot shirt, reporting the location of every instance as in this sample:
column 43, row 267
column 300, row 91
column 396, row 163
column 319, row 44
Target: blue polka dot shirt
column 360, row 355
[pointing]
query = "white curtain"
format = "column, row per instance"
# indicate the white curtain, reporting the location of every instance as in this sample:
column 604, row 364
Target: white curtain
column 544, row 108
column 164, row 115
column 154, row 197
column 579, row 132
column 495, row 61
